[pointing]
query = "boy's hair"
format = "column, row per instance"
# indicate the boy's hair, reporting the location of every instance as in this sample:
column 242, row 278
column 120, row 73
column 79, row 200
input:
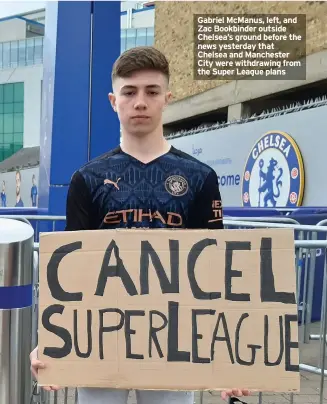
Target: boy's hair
column 140, row 58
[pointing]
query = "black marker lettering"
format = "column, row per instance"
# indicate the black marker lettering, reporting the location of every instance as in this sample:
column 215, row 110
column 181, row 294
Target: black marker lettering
column 268, row 292
column 232, row 246
column 89, row 335
column 194, row 254
column 103, row 329
column 111, row 271
column 129, row 332
column 56, row 290
column 196, row 336
column 226, row 338
column 153, row 332
column 147, row 251
column 55, row 352
column 237, row 341
column 266, row 343
column 290, row 344
column 174, row 355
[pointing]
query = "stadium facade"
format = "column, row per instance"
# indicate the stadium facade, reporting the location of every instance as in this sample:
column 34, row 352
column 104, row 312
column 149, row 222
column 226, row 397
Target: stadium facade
column 220, row 122
column 21, row 81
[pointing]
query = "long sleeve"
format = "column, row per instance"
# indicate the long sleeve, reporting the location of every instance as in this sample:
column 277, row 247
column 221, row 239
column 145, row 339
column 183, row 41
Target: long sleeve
column 207, row 211
column 79, row 210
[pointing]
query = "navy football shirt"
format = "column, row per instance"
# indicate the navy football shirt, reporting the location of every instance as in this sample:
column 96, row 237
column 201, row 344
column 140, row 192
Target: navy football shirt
column 114, row 190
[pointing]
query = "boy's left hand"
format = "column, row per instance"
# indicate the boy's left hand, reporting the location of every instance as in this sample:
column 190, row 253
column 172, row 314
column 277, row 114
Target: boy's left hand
column 234, row 393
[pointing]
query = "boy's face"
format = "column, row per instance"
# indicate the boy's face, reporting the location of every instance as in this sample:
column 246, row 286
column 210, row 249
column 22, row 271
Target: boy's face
column 139, row 101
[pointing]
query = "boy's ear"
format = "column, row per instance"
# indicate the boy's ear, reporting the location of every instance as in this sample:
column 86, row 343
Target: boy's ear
column 112, row 100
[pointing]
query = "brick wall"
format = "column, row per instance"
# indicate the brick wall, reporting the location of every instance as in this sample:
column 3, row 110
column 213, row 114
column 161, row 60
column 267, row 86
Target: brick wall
column 174, row 33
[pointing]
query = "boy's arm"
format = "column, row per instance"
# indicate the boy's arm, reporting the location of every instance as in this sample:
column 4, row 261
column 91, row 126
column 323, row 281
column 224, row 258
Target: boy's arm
column 79, row 205
column 206, row 212
column 78, row 217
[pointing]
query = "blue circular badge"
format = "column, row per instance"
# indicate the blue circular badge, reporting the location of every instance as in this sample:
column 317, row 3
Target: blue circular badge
column 274, row 173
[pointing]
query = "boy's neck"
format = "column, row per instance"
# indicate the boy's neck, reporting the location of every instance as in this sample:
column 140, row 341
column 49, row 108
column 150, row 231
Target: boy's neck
column 145, row 148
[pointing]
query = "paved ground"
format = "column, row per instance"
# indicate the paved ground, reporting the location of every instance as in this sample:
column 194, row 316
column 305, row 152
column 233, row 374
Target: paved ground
column 310, row 384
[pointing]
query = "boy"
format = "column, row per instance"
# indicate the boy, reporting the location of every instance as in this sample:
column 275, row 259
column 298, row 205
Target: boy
column 144, row 182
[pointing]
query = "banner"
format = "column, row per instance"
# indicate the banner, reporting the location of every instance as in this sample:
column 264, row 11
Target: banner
column 169, row 309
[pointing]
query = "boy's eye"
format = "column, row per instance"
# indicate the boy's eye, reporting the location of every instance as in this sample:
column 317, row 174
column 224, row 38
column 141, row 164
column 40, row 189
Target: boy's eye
column 128, row 93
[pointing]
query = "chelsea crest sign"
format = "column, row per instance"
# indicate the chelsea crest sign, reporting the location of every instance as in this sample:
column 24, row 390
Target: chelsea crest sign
column 274, row 173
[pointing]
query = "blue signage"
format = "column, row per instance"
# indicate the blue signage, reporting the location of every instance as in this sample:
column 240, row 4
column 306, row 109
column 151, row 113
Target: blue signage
column 274, row 173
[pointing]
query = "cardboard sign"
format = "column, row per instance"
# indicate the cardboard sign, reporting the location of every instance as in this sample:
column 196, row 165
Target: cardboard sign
column 169, row 309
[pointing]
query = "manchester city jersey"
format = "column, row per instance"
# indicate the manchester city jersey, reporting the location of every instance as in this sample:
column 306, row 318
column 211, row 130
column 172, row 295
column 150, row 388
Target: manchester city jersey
column 117, row 190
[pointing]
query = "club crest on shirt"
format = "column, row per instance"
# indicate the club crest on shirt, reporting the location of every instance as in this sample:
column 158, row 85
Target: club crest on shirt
column 176, row 185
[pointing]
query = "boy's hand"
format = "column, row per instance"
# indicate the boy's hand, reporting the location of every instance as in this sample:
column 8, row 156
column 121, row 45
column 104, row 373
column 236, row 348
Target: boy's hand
column 234, row 393
column 36, row 365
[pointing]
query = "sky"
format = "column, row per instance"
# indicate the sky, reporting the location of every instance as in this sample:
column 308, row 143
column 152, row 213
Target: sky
column 8, row 8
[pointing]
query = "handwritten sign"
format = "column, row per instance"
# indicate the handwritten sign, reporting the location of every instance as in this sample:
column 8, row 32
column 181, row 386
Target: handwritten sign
column 169, row 309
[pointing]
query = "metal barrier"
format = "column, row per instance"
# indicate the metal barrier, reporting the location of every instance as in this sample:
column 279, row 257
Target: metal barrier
column 273, row 219
column 322, row 223
column 36, row 221
column 316, row 337
column 16, row 283
column 306, row 246
column 53, row 220
column 305, row 263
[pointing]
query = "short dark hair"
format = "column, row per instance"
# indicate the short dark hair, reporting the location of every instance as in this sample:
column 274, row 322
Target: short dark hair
column 140, row 58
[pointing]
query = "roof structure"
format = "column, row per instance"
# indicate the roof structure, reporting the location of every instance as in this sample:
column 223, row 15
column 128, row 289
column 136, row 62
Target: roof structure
column 20, row 17
column 28, row 157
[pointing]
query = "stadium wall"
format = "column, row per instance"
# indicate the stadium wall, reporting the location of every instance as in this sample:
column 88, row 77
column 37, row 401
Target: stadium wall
column 174, row 36
column 174, row 33
column 278, row 157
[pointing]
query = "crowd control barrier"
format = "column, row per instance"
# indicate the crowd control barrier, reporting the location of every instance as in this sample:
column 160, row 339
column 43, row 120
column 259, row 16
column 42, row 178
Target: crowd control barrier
column 306, row 245
column 16, row 300
column 40, row 223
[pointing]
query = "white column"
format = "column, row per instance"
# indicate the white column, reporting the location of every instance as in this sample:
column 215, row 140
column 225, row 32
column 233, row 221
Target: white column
column 237, row 111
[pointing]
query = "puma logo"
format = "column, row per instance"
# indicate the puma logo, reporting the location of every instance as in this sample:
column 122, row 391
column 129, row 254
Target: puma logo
column 115, row 184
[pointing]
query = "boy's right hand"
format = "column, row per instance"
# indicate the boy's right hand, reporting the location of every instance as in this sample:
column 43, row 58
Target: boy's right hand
column 36, row 365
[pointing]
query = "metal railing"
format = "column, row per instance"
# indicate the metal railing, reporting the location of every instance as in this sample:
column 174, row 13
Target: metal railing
column 132, row 37
column 29, row 52
column 305, row 263
column 25, row 52
column 40, row 223
column 306, row 247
